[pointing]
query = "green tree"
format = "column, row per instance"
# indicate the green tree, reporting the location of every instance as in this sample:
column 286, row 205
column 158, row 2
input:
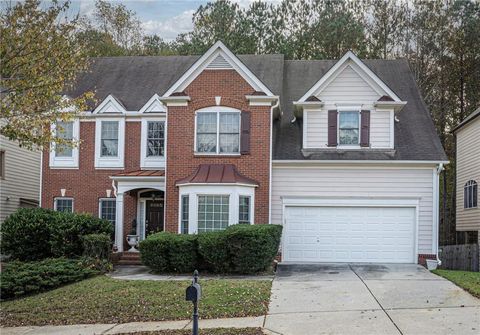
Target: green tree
column 40, row 59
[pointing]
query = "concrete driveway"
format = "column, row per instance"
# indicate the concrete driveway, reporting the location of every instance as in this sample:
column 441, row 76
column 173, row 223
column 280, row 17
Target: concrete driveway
column 368, row 299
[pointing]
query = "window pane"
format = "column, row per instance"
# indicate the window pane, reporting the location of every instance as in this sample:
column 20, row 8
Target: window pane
column 155, row 138
column 244, row 209
column 109, row 140
column 64, row 205
column 110, row 148
column 207, row 142
column 185, row 209
column 207, row 123
column 64, row 130
column 348, row 127
column 108, row 210
column 212, row 212
column 229, row 123
column 229, row 143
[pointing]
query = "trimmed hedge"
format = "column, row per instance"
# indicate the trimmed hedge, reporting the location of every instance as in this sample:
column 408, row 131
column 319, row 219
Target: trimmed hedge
column 38, row 233
column 238, row 249
column 168, row 252
column 19, row 278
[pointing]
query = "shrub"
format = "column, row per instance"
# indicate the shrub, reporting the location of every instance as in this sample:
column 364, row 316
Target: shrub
column 238, row 249
column 252, row 248
column 154, row 251
column 96, row 246
column 213, row 249
column 19, row 278
column 168, row 252
column 37, row 233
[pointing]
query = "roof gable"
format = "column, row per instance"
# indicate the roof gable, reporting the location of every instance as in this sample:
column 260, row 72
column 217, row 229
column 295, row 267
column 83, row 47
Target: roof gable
column 154, row 105
column 110, row 105
column 350, row 62
column 218, row 57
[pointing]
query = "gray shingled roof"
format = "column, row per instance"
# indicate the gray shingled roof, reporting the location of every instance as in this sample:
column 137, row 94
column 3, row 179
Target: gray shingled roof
column 134, row 80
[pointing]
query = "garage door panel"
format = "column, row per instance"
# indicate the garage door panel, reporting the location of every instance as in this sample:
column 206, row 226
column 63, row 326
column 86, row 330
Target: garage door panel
column 349, row 234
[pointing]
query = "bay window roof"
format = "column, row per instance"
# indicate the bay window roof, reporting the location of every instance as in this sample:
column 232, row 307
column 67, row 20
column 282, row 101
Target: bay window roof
column 216, row 174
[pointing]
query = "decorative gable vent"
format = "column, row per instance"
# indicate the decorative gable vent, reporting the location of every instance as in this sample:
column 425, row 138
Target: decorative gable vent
column 219, row 63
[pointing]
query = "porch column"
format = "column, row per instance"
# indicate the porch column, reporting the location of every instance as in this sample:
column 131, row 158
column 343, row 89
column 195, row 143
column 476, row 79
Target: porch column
column 119, row 222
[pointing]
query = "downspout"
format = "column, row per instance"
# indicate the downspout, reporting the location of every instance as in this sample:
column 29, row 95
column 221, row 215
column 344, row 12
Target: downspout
column 276, row 105
column 440, row 168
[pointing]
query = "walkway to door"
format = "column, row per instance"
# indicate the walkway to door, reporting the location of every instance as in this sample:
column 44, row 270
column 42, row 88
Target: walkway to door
column 368, row 299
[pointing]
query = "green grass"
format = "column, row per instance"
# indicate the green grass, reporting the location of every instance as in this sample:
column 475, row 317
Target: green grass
column 469, row 281
column 215, row 331
column 106, row 300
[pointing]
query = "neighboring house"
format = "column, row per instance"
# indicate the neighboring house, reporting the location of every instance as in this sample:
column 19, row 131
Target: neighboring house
column 467, row 135
column 19, row 177
column 343, row 153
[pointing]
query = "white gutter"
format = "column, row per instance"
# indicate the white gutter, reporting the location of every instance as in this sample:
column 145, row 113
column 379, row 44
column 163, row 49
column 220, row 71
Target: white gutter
column 277, row 104
column 390, row 161
column 439, row 170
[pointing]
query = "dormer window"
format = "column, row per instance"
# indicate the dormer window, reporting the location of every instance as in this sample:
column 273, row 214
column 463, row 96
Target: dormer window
column 349, row 127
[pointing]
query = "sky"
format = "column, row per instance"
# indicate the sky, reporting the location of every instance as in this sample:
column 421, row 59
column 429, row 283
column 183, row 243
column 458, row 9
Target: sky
column 166, row 18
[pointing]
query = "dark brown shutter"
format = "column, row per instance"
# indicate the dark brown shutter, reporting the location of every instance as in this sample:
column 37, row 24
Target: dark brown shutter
column 332, row 128
column 365, row 128
column 245, row 133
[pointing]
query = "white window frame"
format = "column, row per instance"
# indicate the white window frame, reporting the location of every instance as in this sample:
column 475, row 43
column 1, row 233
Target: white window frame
column 63, row 198
column 218, row 110
column 249, row 208
column 468, row 190
column 65, row 162
column 148, row 162
column 100, row 202
column 232, row 190
column 349, row 109
column 184, row 196
column 215, row 195
column 109, row 162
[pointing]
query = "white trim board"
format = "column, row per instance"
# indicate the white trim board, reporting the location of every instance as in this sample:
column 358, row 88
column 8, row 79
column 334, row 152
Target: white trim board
column 336, row 69
column 201, row 64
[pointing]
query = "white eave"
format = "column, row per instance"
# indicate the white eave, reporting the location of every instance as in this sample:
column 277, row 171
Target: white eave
column 395, row 105
column 217, row 49
column 261, row 100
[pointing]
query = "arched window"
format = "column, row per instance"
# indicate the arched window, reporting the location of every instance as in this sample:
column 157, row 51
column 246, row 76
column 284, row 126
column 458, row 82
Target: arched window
column 470, row 194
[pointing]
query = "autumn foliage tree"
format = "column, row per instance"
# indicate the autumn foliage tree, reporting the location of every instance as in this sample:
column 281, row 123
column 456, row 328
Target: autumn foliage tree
column 40, row 59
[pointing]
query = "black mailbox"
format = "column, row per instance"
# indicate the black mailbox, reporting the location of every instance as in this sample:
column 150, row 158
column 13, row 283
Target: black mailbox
column 193, row 292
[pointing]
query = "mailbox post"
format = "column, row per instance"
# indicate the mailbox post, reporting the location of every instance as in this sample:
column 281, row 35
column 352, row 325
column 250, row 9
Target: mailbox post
column 193, row 294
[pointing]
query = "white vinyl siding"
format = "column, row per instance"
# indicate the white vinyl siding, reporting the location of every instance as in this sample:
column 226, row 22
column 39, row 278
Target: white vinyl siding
column 468, row 168
column 348, row 87
column 380, row 129
column 316, row 129
column 363, row 182
column 21, row 176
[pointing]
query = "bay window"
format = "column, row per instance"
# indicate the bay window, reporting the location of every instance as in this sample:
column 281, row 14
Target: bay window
column 213, row 211
column 244, row 209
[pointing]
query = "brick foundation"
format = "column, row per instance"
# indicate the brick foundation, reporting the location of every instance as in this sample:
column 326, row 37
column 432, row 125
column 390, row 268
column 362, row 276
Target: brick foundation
column 423, row 257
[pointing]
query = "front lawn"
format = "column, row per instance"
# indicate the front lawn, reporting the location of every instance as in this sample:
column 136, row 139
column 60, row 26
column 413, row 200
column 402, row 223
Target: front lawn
column 106, row 300
column 215, row 331
column 470, row 281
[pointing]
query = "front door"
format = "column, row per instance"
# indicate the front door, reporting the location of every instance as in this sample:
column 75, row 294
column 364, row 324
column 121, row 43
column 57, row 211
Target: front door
column 153, row 216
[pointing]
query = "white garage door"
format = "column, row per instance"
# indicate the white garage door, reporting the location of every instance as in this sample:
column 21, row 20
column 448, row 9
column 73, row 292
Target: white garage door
column 349, row 234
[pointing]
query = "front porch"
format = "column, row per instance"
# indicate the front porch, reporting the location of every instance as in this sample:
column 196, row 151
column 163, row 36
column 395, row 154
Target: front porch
column 140, row 205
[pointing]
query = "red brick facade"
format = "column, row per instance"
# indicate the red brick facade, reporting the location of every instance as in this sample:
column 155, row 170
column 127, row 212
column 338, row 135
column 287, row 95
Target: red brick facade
column 182, row 161
column 86, row 185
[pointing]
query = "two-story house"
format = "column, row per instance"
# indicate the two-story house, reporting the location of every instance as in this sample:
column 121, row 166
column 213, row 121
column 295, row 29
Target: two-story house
column 342, row 153
column 467, row 135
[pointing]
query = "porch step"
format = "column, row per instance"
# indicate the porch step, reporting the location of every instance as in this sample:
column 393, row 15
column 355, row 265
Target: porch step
column 130, row 258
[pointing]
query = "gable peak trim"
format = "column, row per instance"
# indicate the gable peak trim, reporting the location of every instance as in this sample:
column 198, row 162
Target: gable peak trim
column 153, row 105
column 218, row 49
column 342, row 63
column 110, row 105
